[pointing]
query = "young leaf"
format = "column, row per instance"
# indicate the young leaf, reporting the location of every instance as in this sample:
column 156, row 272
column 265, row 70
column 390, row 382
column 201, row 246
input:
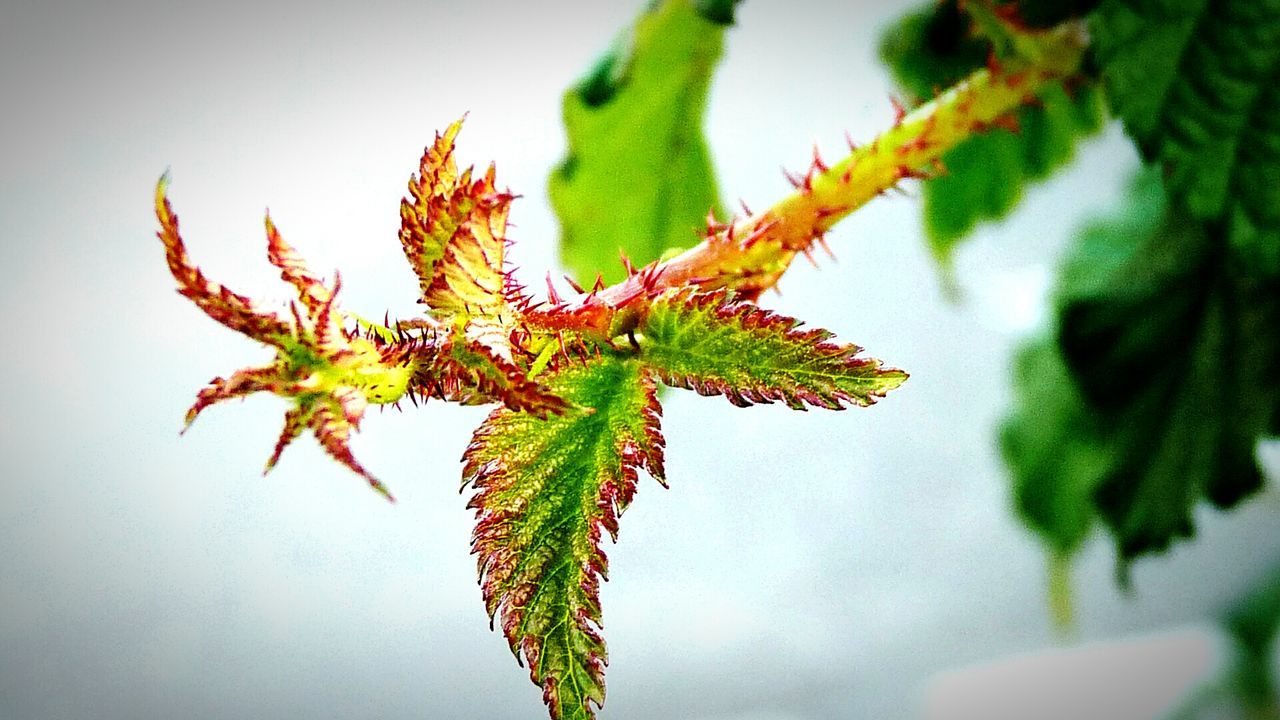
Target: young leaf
column 545, row 488
column 1197, row 83
column 453, row 231
column 708, row 343
column 1174, row 350
column 638, row 178
column 986, row 174
column 453, row 234
column 469, row 372
column 330, row 374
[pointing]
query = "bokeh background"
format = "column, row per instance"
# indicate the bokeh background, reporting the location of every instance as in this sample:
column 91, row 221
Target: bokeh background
column 864, row 564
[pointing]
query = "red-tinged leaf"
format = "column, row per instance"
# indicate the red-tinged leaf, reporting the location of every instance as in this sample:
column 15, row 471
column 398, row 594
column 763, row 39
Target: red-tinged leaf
column 709, row 343
column 331, row 375
column 470, row 372
column 545, row 488
column 293, row 270
column 217, row 301
column 453, row 233
column 241, row 383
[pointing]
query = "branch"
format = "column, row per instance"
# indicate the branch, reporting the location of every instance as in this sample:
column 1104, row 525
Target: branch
column 749, row 255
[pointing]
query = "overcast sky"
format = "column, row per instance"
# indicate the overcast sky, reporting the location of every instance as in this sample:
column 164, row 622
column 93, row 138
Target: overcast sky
column 802, row 565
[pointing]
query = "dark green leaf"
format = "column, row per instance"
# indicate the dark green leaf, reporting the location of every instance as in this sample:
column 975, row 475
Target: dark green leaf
column 932, row 49
column 638, row 176
column 1197, row 83
column 1254, row 623
column 1046, row 13
column 1054, row 449
column 717, row 11
column 986, row 174
column 1176, row 351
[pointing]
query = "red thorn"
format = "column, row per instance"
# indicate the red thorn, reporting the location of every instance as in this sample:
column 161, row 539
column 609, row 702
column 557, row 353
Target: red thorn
column 626, row 263
column 993, row 64
column 817, row 160
column 745, row 209
column 552, row 296
column 822, row 242
column 713, row 226
column 825, row 212
column 574, row 284
column 848, row 140
column 761, row 230
column 808, row 255
column 899, row 112
column 795, row 180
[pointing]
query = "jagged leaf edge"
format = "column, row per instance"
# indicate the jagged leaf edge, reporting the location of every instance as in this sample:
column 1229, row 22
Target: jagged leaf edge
column 503, row 463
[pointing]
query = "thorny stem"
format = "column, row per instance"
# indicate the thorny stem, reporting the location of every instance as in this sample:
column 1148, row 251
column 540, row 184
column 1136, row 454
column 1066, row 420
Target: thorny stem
column 750, row 254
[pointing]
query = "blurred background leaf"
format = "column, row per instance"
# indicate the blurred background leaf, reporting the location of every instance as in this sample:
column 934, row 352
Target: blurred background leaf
column 1247, row 687
column 638, row 177
column 935, row 47
column 1054, row 449
column 1165, row 373
column 1253, row 624
column 1198, row 87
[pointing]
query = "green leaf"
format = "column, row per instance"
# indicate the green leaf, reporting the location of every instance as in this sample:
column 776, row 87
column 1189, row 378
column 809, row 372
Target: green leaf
column 1254, row 624
column 545, row 488
column 638, row 177
column 708, row 343
column 987, row 173
column 1175, row 349
column 931, row 49
column 1054, row 449
column 1197, row 83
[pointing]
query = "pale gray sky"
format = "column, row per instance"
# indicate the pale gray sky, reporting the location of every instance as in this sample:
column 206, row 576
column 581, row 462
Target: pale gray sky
column 802, row 565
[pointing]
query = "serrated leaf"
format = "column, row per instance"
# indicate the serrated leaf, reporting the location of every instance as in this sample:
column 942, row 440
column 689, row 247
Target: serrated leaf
column 1197, row 83
column 452, row 229
column 987, row 173
column 1054, row 449
column 708, row 343
column 329, row 374
column 545, row 488
column 637, row 178
column 469, row 372
column 1176, row 351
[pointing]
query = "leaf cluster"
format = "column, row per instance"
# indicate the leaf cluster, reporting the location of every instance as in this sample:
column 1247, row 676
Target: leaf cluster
column 1161, row 373
column 1149, row 396
column 575, row 376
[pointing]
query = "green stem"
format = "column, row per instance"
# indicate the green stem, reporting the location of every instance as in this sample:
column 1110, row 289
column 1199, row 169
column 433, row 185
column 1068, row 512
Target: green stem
column 1061, row 607
column 750, row 254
